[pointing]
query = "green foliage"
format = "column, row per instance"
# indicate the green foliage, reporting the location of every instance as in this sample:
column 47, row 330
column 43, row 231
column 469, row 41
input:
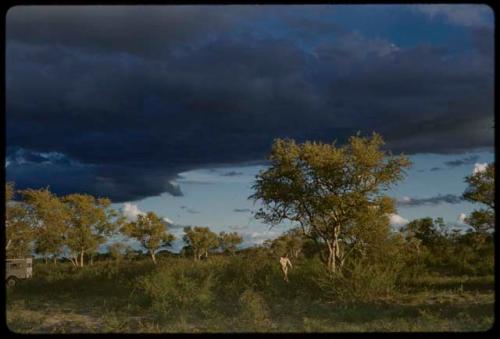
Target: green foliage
column 360, row 283
column 19, row 233
column 481, row 190
column 244, row 293
column 181, row 291
column 254, row 312
column 228, row 241
column 290, row 243
column 150, row 231
column 118, row 250
column 432, row 246
column 91, row 220
column 325, row 188
column 49, row 220
column 200, row 241
column 373, row 273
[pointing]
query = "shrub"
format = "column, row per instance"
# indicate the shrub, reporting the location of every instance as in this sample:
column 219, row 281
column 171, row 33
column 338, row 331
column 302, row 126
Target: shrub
column 180, row 291
column 360, row 283
column 254, row 312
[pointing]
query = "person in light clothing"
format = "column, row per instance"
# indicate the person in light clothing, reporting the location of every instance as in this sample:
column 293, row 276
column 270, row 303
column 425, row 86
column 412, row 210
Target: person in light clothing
column 285, row 262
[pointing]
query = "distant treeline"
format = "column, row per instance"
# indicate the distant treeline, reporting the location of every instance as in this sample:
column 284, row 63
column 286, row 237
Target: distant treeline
column 73, row 227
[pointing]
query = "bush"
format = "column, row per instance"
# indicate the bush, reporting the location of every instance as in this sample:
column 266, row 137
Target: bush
column 360, row 283
column 254, row 312
column 180, row 291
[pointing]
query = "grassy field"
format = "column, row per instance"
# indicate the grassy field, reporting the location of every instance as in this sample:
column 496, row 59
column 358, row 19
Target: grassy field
column 238, row 294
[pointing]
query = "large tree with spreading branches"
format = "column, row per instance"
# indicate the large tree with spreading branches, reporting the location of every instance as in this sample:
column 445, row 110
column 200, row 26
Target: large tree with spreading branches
column 326, row 188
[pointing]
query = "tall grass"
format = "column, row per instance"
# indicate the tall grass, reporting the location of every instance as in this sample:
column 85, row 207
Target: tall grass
column 234, row 293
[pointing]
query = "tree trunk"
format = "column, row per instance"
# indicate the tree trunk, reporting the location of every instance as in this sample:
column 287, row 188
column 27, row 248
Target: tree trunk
column 331, row 263
column 153, row 257
column 334, row 261
column 55, row 259
column 81, row 258
column 46, row 259
column 91, row 260
column 338, row 258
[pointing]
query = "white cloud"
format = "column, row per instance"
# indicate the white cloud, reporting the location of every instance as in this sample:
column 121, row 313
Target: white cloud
column 257, row 238
column 461, row 218
column 397, row 220
column 131, row 211
column 478, row 168
column 406, row 199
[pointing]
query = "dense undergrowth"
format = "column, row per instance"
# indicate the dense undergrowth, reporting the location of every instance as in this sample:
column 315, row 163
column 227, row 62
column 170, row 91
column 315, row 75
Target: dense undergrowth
column 247, row 293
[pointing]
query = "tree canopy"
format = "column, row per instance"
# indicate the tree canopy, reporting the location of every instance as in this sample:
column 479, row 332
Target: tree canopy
column 228, row 241
column 19, row 234
column 91, row 219
column 200, row 240
column 481, row 189
column 49, row 218
column 326, row 188
column 150, row 231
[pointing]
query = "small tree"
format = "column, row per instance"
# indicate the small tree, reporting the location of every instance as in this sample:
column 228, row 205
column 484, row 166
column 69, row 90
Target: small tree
column 49, row 217
column 187, row 251
column 201, row 240
column 117, row 250
column 151, row 231
column 91, row 220
column 19, row 234
column 481, row 190
column 422, row 229
column 229, row 241
column 324, row 188
column 290, row 243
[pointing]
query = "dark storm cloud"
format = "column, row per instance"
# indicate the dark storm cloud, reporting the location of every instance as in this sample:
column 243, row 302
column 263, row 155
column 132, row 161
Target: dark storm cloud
column 189, row 210
column 131, row 96
column 462, row 161
column 231, row 174
column 439, row 199
column 457, row 162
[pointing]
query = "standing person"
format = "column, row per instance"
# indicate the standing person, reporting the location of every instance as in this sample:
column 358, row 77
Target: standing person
column 285, row 262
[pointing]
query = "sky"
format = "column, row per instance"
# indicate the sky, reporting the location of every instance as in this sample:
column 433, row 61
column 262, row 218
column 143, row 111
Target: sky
column 173, row 109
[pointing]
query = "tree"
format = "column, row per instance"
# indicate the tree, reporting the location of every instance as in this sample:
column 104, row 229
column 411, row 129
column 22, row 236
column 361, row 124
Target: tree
column 424, row 230
column 481, row 190
column 368, row 236
column 325, row 188
column 201, row 240
column 289, row 243
column 117, row 250
column 229, row 241
column 151, row 231
column 187, row 251
column 91, row 220
column 49, row 218
column 18, row 232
